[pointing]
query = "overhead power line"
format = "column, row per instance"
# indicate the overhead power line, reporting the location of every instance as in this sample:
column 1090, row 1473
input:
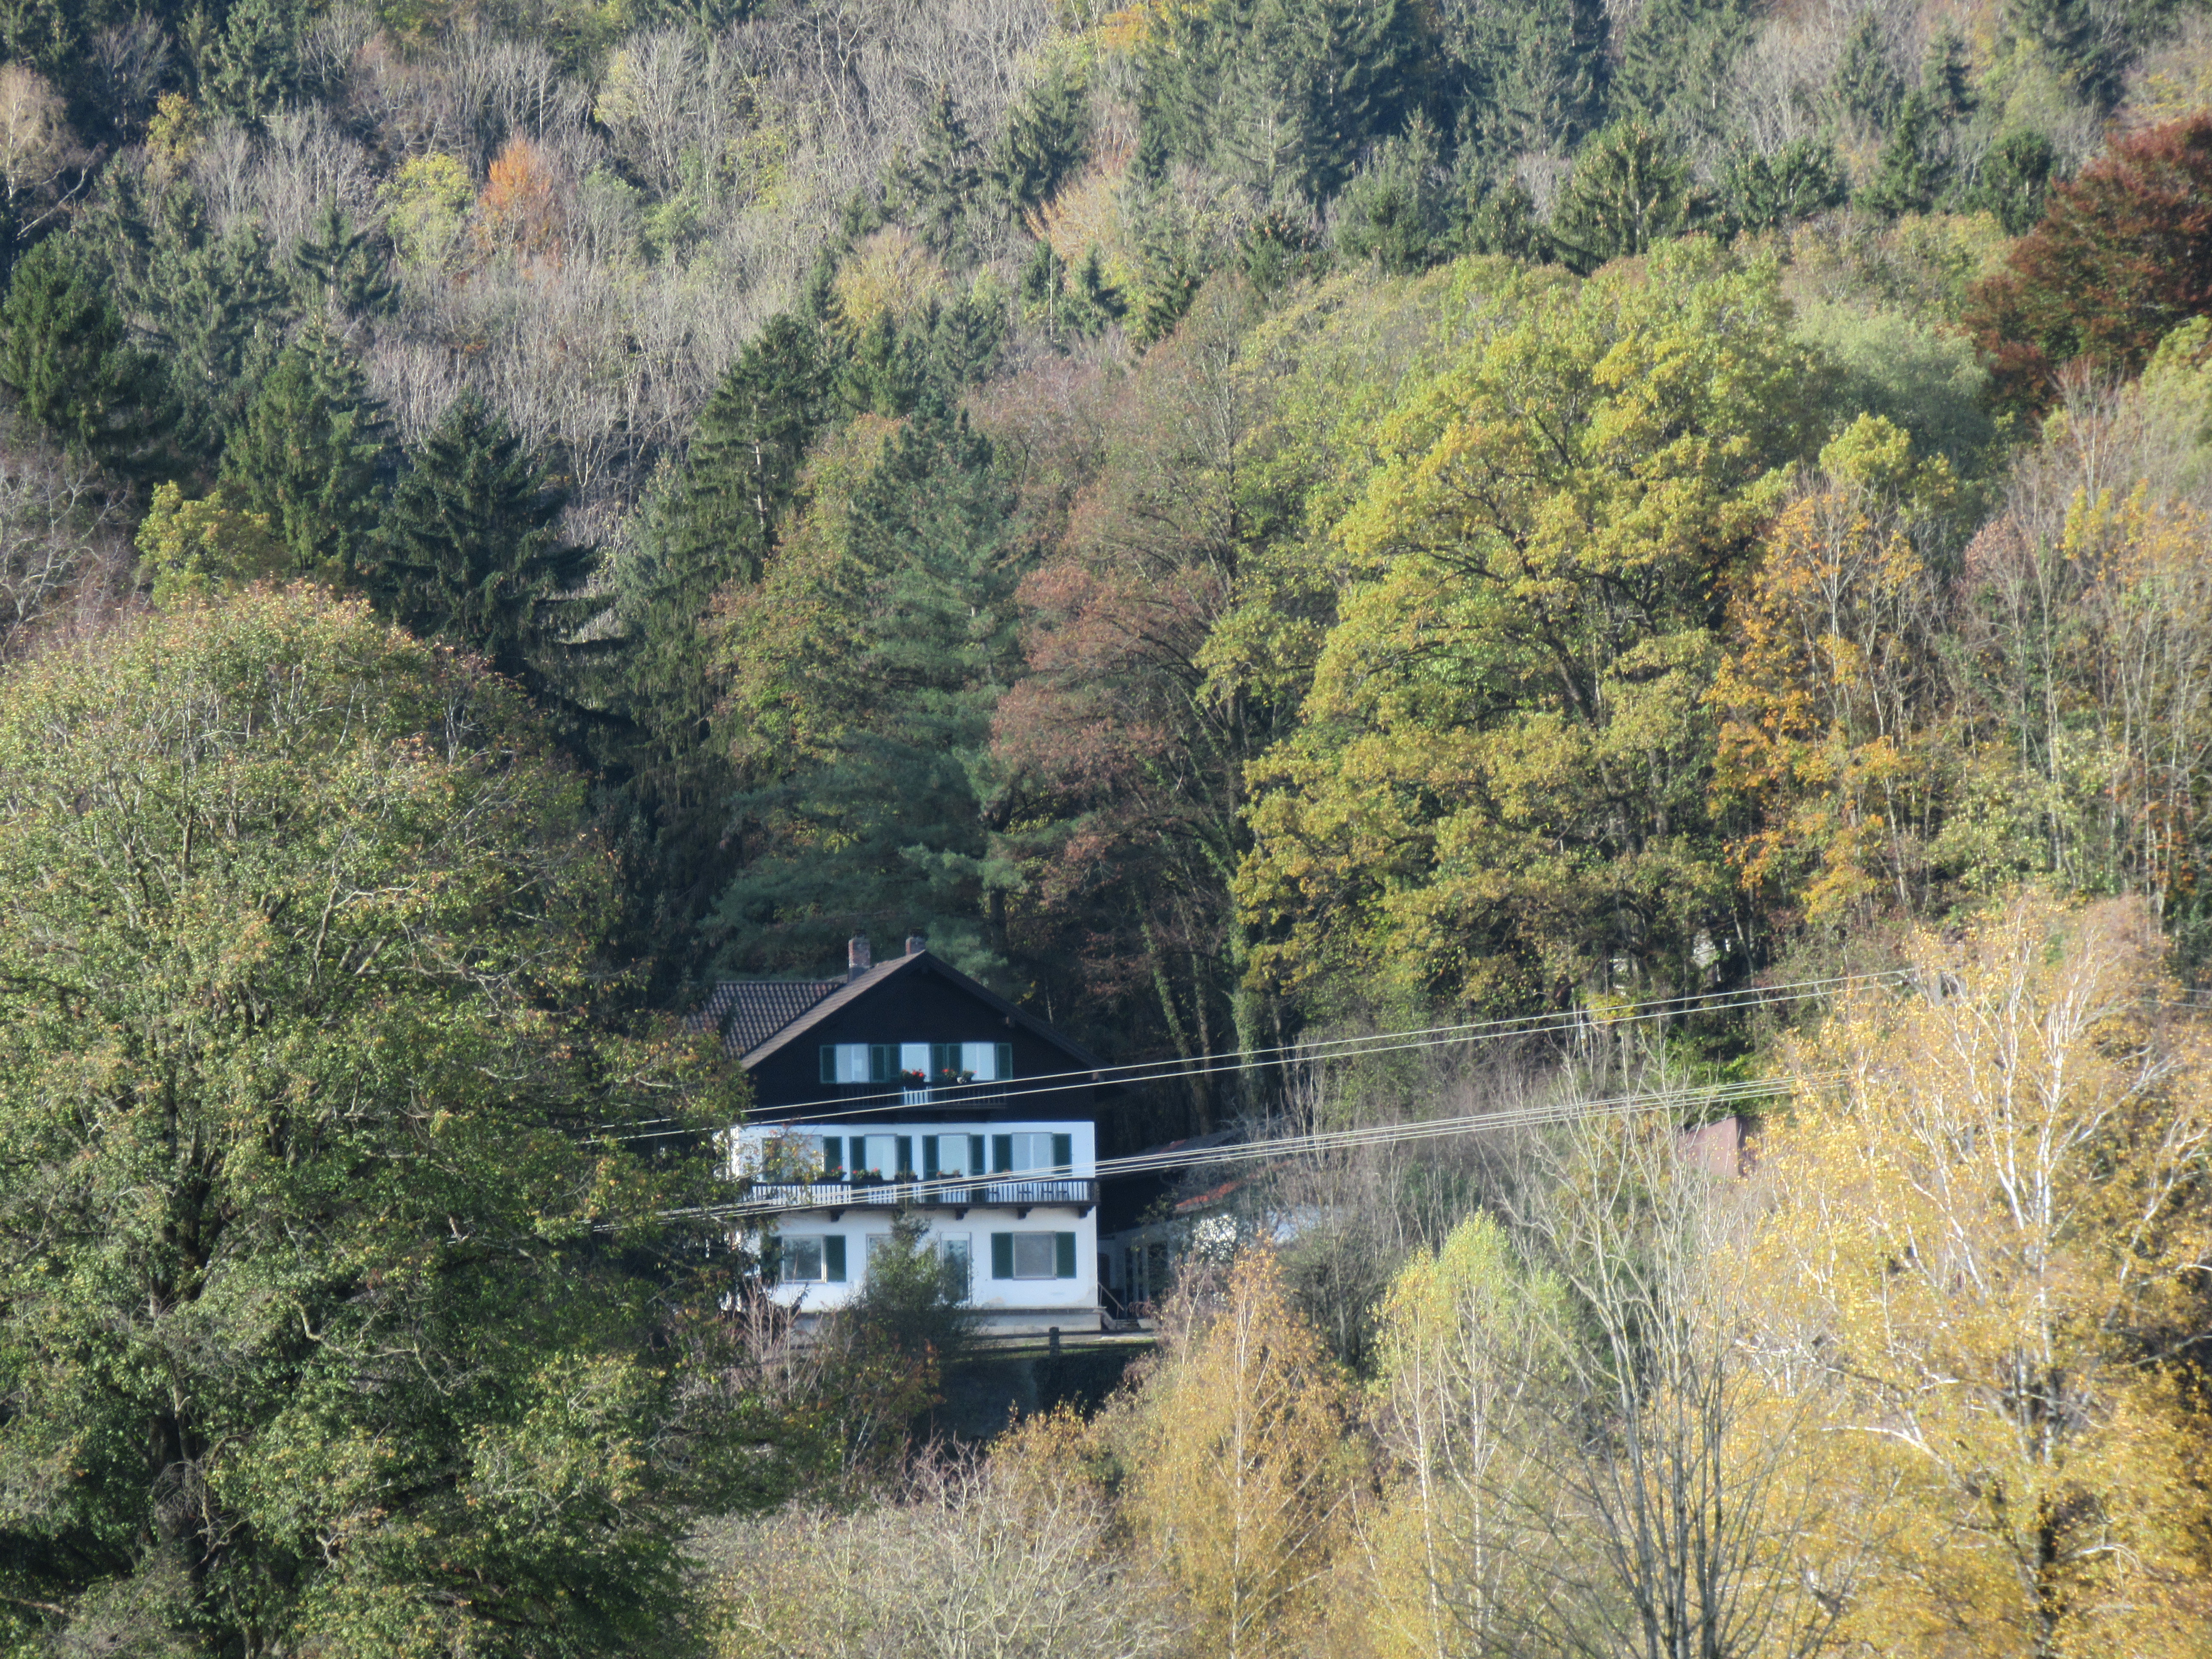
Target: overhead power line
column 1318, row 1143
column 830, row 1108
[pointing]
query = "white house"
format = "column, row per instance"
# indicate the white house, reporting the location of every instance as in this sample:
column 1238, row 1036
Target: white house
column 908, row 1088
column 1010, row 1203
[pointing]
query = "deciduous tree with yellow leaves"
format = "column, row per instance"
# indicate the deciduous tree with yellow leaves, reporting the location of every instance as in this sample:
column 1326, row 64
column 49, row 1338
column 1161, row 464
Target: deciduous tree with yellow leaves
column 1499, row 788
column 1830, row 687
column 1243, row 1474
column 1988, row 1247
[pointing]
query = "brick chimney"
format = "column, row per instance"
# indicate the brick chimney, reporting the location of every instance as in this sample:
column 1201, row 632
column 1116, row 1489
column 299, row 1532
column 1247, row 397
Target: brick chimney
column 859, row 958
column 915, row 943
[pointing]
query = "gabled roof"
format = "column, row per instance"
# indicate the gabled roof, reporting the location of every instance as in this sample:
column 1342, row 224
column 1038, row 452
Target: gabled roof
column 835, row 995
column 749, row 1011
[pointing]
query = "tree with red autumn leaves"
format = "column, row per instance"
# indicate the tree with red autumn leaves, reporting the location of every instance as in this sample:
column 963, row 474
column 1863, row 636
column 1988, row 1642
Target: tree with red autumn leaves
column 2123, row 257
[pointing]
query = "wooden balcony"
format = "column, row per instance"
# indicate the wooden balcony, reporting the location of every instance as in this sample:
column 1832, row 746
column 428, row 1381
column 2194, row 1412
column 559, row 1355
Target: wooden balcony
column 960, row 1193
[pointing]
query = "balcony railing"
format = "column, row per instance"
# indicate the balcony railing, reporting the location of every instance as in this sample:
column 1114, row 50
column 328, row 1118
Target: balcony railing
column 898, row 1093
column 943, row 1191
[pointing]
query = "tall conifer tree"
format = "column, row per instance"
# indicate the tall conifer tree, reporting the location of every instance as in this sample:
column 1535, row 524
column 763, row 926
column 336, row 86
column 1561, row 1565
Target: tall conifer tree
column 897, row 810
column 469, row 550
column 64, row 353
column 714, row 525
column 309, row 456
column 217, row 315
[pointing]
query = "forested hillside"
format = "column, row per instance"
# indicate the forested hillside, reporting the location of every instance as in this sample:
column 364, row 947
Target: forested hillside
column 1240, row 520
column 1223, row 516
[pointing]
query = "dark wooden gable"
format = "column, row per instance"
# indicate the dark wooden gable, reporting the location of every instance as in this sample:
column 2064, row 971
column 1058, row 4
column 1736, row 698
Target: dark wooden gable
column 918, row 999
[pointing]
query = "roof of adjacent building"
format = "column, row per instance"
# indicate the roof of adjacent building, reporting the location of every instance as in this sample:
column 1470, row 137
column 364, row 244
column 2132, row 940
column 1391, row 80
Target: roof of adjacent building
column 758, row 1018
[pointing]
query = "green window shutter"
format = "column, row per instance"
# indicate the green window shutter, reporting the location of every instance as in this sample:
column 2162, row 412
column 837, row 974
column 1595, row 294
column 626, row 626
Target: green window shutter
column 1002, row 1255
column 906, row 1155
column 943, row 1057
column 928, row 1157
column 833, row 1258
column 1063, row 1255
column 771, row 1258
column 1063, row 1151
column 1006, row 1066
column 976, row 1154
column 828, row 1063
column 883, row 1062
column 833, row 1155
column 1002, row 1157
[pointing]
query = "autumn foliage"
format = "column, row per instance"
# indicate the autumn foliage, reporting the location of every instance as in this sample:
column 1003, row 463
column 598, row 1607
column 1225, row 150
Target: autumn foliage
column 2123, row 257
column 519, row 211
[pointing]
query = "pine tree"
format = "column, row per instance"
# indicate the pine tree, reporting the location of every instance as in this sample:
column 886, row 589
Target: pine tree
column 64, row 355
column 469, row 550
column 336, row 266
column 308, row 456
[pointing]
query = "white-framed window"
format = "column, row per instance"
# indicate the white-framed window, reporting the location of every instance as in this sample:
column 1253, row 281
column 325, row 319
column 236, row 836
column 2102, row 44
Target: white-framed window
column 847, row 1062
column 957, row 1155
column 877, row 1155
column 1030, row 1152
column 952, row 1251
column 809, row 1258
column 987, row 1062
column 1033, row 1255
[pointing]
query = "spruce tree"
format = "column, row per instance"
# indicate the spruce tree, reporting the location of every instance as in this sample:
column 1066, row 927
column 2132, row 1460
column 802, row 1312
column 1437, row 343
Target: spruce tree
column 249, row 65
column 1674, row 62
column 711, row 524
column 2084, row 41
column 937, row 188
column 1947, row 78
column 1394, row 211
column 469, row 550
column 65, row 356
column 1543, row 78
column 1805, row 178
column 899, row 813
column 336, row 266
column 2013, row 180
column 218, row 316
column 1046, row 133
column 309, row 456
column 1912, row 171
column 1630, row 190
column 1866, row 85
